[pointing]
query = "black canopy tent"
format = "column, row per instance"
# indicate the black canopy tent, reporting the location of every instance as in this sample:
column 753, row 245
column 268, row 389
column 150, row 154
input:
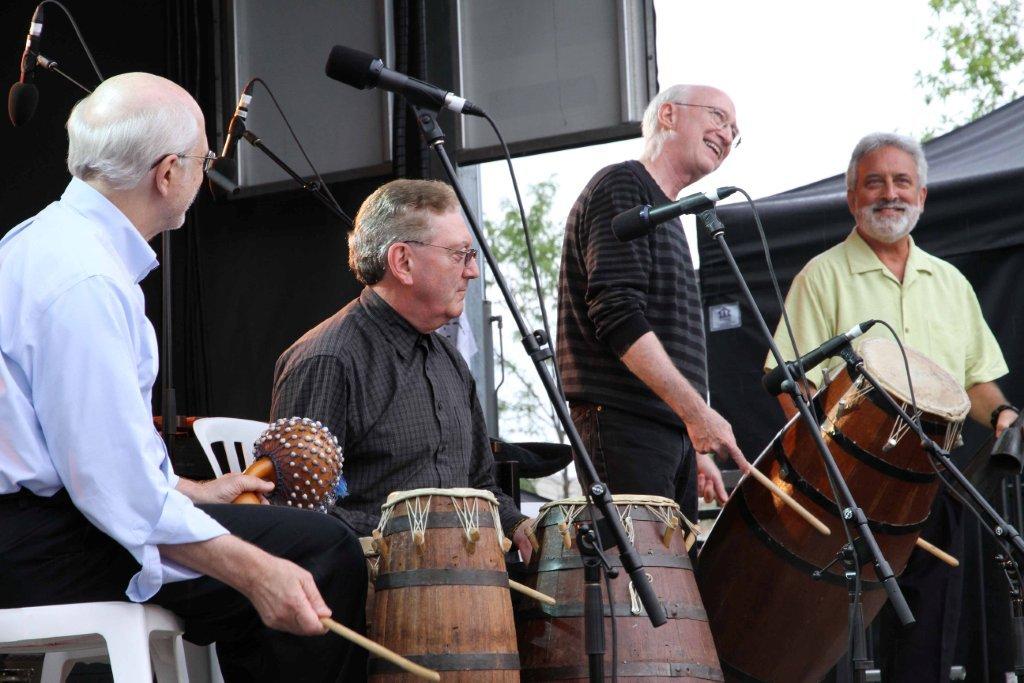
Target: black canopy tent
column 973, row 218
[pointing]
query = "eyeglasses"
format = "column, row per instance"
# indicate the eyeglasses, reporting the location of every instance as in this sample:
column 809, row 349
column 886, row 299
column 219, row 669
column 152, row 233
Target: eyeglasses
column 466, row 255
column 721, row 120
column 207, row 158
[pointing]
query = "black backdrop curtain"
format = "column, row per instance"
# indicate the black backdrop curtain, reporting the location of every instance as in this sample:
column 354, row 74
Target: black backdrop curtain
column 250, row 275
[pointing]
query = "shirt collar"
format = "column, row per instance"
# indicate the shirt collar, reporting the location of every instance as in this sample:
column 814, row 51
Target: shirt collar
column 394, row 328
column 862, row 259
column 136, row 254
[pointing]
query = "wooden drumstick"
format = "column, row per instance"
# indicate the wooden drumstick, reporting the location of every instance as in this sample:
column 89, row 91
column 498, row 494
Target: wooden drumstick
column 937, row 552
column 788, row 500
column 262, row 468
column 381, row 651
column 529, row 592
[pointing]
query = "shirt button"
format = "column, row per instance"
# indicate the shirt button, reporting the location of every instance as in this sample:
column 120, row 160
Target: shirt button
column 440, row 406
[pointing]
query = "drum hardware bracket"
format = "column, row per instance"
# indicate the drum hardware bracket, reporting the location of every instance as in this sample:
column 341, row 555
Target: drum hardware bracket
column 594, row 562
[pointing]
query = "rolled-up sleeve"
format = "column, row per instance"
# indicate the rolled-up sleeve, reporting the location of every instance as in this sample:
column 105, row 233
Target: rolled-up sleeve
column 86, row 363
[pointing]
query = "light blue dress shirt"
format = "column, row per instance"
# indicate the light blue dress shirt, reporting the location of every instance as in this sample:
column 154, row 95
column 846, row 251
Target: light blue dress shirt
column 78, row 359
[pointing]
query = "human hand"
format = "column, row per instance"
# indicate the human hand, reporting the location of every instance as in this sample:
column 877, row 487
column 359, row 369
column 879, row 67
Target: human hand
column 709, row 480
column 711, row 433
column 522, row 541
column 286, row 598
column 227, row 487
column 1005, row 419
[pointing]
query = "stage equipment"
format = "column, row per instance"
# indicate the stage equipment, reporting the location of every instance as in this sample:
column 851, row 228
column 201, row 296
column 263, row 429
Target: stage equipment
column 538, row 348
column 549, row 636
column 764, row 570
column 363, row 71
column 642, row 220
column 223, row 173
column 441, row 593
column 23, row 96
column 773, row 380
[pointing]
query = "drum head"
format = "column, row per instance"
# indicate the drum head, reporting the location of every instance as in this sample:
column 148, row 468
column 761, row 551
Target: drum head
column 936, row 391
column 398, row 496
column 618, row 499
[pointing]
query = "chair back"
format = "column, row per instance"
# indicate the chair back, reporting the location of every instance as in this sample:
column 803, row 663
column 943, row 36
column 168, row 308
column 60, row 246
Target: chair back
column 237, row 436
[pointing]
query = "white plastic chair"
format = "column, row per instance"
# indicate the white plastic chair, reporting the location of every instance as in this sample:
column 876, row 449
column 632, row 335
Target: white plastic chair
column 137, row 640
column 234, row 433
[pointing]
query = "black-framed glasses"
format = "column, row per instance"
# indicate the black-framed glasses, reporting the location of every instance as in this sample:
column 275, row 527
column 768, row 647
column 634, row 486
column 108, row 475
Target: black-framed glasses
column 721, row 120
column 467, row 255
column 207, row 158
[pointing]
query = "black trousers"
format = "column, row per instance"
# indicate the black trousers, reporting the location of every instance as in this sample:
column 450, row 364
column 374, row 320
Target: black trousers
column 933, row 589
column 50, row 554
column 634, row 455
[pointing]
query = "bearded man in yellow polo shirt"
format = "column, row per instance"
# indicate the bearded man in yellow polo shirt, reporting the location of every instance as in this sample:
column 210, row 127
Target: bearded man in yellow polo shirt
column 878, row 272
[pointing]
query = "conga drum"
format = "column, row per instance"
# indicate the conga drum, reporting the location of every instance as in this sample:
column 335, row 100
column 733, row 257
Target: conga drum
column 551, row 638
column 772, row 620
column 441, row 595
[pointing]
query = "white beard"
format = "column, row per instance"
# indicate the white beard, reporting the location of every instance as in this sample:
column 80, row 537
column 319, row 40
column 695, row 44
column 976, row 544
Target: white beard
column 888, row 229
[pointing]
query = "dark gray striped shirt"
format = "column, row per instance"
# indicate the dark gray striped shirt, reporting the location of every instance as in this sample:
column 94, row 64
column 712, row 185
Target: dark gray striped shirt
column 402, row 404
column 611, row 293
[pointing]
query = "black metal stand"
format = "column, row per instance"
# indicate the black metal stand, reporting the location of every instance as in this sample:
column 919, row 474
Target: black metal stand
column 850, row 510
column 594, row 563
column 536, row 345
column 51, row 65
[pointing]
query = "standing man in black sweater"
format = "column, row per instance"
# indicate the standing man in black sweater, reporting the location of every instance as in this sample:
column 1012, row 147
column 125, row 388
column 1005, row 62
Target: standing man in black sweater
column 631, row 345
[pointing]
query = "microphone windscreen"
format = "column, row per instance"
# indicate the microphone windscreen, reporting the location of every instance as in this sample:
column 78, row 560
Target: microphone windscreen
column 223, row 177
column 349, row 66
column 631, row 224
column 21, row 102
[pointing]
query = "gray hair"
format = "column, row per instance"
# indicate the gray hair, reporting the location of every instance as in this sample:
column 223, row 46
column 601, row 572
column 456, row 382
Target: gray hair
column 395, row 212
column 119, row 131
column 654, row 135
column 876, row 141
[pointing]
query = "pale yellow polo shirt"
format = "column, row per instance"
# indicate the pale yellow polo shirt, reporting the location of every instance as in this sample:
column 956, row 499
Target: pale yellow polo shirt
column 934, row 310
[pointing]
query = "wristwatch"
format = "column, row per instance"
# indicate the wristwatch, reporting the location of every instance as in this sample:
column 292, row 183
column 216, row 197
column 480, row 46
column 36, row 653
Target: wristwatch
column 999, row 409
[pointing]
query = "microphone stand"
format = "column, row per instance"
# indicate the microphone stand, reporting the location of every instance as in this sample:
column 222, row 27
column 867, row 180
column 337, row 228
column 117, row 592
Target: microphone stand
column 850, row 510
column 537, row 347
column 51, row 65
column 1006, row 536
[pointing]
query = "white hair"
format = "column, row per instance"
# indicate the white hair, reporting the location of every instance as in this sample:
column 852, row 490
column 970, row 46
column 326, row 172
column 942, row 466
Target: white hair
column 875, row 141
column 654, row 135
column 125, row 126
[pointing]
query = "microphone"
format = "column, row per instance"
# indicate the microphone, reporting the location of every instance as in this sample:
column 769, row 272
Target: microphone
column 223, row 173
column 642, row 220
column 774, row 379
column 24, row 96
column 364, row 71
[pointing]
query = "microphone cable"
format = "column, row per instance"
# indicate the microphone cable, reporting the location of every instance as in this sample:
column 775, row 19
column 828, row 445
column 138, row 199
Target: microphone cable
column 322, row 189
column 78, row 33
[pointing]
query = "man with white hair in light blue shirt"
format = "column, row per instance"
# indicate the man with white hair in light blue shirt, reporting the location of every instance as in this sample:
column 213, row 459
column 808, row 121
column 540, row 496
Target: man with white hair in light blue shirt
column 90, row 506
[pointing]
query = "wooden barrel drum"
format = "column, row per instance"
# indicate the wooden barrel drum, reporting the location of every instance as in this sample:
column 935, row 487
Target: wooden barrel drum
column 772, row 621
column 551, row 638
column 441, row 594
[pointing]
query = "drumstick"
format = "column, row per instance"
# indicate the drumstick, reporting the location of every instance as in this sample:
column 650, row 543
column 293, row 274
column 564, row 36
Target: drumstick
column 788, row 500
column 381, row 651
column 937, row 552
column 529, row 592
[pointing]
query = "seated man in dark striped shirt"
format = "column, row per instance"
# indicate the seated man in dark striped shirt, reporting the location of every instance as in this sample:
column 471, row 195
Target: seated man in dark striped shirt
column 400, row 399
column 630, row 331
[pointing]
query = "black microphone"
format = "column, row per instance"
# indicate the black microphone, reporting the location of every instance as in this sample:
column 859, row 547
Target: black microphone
column 24, row 96
column 364, row 71
column 642, row 220
column 774, row 379
column 223, row 173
